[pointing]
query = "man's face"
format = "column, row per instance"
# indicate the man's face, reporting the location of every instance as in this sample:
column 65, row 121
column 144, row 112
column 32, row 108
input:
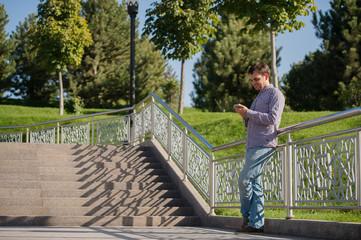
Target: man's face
column 259, row 81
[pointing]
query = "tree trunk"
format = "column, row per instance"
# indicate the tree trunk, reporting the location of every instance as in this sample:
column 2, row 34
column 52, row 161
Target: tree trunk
column 61, row 95
column 181, row 95
column 273, row 58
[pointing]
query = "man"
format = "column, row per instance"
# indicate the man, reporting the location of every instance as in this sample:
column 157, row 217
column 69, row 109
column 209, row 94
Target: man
column 262, row 121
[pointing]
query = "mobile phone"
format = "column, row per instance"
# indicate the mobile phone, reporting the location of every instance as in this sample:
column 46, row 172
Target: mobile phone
column 236, row 105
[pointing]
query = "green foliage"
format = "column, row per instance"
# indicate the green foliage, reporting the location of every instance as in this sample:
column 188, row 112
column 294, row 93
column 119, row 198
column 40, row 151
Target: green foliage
column 102, row 77
column 350, row 95
column 306, row 88
column 323, row 80
column 221, row 73
column 31, row 80
column 6, row 45
column 170, row 89
column 277, row 16
column 60, row 34
column 74, row 105
column 179, row 28
column 150, row 69
column 272, row 16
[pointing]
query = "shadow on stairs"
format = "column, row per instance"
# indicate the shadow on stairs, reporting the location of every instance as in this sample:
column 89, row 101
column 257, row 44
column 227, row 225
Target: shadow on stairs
column 86, row 185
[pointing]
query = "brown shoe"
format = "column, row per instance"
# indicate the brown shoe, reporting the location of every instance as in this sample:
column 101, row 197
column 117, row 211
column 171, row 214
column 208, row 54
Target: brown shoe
column 244, row 224
column 249, row 229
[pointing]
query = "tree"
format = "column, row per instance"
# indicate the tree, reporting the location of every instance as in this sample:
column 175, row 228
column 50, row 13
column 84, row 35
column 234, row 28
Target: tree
column 101, row 78
column 269, row 15
column 150, row 69
column 30, row 80
column 60, row 37
column 309, row 84
column 349, row 88
column 323, row 79
column 170, row 88
column 6, row 45
column 179, row 28
column 350, row 95
column 221, row 78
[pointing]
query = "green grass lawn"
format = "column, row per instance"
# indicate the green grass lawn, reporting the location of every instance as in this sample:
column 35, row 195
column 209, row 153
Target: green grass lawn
column 217, row 129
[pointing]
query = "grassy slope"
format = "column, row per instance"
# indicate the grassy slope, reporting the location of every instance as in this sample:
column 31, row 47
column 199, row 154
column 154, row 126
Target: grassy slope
column 217, row 129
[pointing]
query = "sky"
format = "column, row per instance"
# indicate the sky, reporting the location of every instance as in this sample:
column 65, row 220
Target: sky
column 295, row 45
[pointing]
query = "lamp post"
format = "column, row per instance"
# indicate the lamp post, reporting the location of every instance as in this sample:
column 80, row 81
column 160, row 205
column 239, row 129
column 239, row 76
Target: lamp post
column 132, row 11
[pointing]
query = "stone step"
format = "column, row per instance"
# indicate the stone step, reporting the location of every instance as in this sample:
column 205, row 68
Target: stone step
column 31, row 156
column 80, row 171
column 92, row 202
column 88, row 185
column 96, row 211
column 71, row 148
column 139, row 221
column 79, row 165
column 95, row 177
column 83, row 193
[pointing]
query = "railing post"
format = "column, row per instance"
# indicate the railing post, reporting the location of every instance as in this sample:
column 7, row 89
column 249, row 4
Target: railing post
column 289, row 178
column 185, row 154
column 132, row 128
column 93, row 130
column 57, row 133
column 142, row 119
column 169, row 136
column 358, row 167
column 211, row 184
column 284, row 175
column 152, row 118
column 27, row 135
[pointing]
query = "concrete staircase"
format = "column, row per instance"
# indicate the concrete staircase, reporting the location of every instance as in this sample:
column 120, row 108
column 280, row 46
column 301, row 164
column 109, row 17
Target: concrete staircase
column 85, row 185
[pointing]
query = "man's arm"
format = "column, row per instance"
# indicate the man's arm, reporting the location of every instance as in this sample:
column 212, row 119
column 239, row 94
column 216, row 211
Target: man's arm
column 276, row 106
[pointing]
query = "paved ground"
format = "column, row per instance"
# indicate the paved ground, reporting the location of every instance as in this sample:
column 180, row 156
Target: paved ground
column 128, row 233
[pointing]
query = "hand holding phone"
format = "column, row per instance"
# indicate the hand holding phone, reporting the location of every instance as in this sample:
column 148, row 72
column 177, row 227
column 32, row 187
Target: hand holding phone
column 238, row 105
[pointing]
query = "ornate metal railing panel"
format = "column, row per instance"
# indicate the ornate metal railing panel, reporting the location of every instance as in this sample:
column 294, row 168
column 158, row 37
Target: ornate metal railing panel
column 75, row 133
column 177, row 144
column 326, row 171
column 226, row 186
column 138, row 125
column 160, row 126
column 147, row 118
column 46, row 135
column 273, row 176
column 11, row 137
column 113, row 131
column 198, row 166
column 227, row 173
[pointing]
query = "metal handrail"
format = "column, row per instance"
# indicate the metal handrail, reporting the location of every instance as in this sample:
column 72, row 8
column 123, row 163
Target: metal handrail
column 299, row 126
column 189, row 128
column 322, row 120
column 68, row 119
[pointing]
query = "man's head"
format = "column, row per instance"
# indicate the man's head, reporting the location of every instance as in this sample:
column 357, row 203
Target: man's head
column 259, row 75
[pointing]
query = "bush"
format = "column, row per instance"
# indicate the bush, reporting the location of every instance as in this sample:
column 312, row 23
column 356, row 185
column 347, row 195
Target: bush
column 74, row 105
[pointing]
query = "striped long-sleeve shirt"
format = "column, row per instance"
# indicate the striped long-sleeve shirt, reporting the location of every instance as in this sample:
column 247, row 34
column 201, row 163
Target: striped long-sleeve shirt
column 264, row 117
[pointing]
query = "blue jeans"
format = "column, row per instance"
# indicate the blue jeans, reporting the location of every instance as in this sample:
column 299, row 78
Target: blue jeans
column 251, row 187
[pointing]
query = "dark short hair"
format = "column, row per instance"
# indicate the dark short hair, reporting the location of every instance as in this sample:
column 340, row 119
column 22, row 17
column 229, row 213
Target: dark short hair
column 260, row 67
